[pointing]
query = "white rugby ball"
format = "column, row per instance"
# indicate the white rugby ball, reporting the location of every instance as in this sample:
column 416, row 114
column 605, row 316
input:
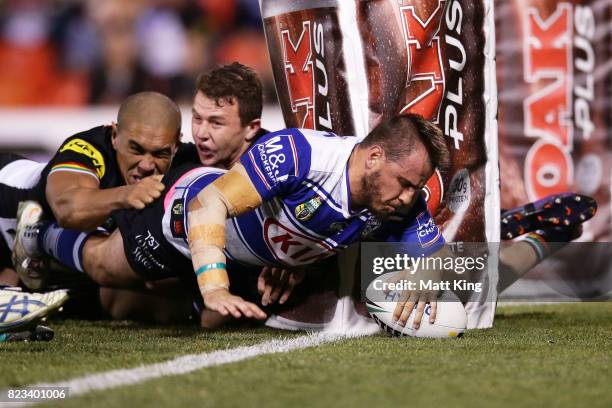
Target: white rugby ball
column 451, row 318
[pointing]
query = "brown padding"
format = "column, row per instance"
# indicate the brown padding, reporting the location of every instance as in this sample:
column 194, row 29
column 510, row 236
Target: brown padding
column 237, row 191
column 208, row 234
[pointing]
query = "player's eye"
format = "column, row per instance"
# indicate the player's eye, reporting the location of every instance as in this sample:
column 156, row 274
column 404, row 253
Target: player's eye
column 162, row 155
column 136, row 149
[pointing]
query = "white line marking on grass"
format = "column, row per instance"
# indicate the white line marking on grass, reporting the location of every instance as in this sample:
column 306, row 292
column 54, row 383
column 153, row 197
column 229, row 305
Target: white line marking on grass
column 184, row 364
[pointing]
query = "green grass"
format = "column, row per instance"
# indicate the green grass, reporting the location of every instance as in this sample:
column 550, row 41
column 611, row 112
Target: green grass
column 543, row 355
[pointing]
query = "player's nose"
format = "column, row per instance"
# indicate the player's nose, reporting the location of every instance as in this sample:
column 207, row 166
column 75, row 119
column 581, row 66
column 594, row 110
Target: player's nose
column 147, row 165
column 406, row 196
column 203, row 132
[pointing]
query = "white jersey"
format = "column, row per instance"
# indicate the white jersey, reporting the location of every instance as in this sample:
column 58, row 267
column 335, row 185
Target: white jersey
column 302, row 177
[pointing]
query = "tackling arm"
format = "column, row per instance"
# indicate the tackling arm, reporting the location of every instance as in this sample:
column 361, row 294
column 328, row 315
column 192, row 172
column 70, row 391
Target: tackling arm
column 78, row 202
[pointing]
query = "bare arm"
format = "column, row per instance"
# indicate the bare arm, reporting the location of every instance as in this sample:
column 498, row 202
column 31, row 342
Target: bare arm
column 78, row 202
column 230, row 195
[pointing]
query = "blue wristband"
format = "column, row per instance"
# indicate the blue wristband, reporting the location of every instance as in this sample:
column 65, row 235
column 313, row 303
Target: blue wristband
column 208, row 267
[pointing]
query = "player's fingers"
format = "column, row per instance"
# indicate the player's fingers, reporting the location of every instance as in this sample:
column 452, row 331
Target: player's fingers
column 233, row 309
column 288, row 289
column 158, row 177
column 418, row 314
column 403, row 318
column 434, row 309
column 282, row 281
column 261, row 280
column 145, row 198
column 243, row 307
column 276, row 292
column 138, row 204
column 408, row 307
column 251, row 310
column 265, row 299
column 219, row 308
column 155, row 193
column 397, row 312
column 277, row 275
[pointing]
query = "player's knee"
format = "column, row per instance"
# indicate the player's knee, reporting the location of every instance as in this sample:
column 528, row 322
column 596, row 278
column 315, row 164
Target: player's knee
column 101, row 272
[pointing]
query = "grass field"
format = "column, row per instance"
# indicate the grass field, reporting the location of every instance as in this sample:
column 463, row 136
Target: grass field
column 539, row 355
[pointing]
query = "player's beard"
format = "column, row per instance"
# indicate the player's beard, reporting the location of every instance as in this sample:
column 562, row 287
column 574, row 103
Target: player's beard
column 370, row 188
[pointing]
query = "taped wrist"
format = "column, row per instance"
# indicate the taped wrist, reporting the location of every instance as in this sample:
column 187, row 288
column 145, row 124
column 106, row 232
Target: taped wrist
column 212, row 276
column 206, row 243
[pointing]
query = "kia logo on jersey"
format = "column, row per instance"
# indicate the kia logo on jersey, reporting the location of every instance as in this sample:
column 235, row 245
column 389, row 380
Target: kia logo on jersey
column 291, row 247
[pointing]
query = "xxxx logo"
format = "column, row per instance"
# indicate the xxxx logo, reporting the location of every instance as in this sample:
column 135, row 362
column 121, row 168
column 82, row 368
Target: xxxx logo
column 292, row 247
column 306, row 75
column 425, row 82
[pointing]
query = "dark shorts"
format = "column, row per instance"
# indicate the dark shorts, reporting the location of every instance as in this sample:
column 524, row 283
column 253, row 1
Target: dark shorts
column 146, row 248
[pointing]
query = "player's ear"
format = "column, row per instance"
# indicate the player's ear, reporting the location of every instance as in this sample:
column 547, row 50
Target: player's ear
column 374, row 155
column 114, row 134
column 252, row 129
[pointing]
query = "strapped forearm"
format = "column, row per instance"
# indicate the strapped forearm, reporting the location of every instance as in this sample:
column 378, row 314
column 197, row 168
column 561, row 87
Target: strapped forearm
column 230, row 195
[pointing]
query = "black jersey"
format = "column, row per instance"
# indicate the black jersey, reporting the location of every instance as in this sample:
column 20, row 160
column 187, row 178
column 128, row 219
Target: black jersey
column 91, row 153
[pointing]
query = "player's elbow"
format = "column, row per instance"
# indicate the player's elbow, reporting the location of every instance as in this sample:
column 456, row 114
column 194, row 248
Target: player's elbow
column 69, row 215
column 211, row 202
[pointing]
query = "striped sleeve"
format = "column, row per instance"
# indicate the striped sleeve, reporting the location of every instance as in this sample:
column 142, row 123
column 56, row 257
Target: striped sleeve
column 79, row 156
column 74, row 167
column 277, row 162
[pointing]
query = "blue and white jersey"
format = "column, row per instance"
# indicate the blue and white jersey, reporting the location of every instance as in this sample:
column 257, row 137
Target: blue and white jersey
column 302, row 177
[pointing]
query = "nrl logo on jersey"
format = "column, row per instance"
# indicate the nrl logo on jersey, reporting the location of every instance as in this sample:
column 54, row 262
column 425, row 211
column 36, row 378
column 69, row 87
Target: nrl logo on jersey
column 177, row 207
column 305, row 211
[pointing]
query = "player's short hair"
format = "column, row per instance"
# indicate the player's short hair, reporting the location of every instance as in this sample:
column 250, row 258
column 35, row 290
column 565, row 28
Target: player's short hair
column 398, row 135
column 152, row 108
column 233, row 83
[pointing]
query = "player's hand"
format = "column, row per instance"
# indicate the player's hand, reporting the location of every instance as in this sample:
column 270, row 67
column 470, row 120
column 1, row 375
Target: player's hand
column 407, row 303
column 277, row 282
column 143, row 193
column 419, row 298
column 220, row 300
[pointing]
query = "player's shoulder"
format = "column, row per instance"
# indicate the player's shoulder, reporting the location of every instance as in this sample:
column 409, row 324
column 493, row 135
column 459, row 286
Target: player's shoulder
column 94, row 142
column 304, row 141
column 90, row 151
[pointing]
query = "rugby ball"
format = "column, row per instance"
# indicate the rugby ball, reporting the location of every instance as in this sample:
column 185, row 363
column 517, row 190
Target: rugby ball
column 451, row 318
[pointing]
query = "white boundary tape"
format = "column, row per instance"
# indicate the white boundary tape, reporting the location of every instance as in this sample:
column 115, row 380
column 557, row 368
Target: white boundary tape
column 182, row 365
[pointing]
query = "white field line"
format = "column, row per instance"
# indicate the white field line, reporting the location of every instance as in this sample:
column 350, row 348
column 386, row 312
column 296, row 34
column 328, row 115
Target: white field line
column 181, row 365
